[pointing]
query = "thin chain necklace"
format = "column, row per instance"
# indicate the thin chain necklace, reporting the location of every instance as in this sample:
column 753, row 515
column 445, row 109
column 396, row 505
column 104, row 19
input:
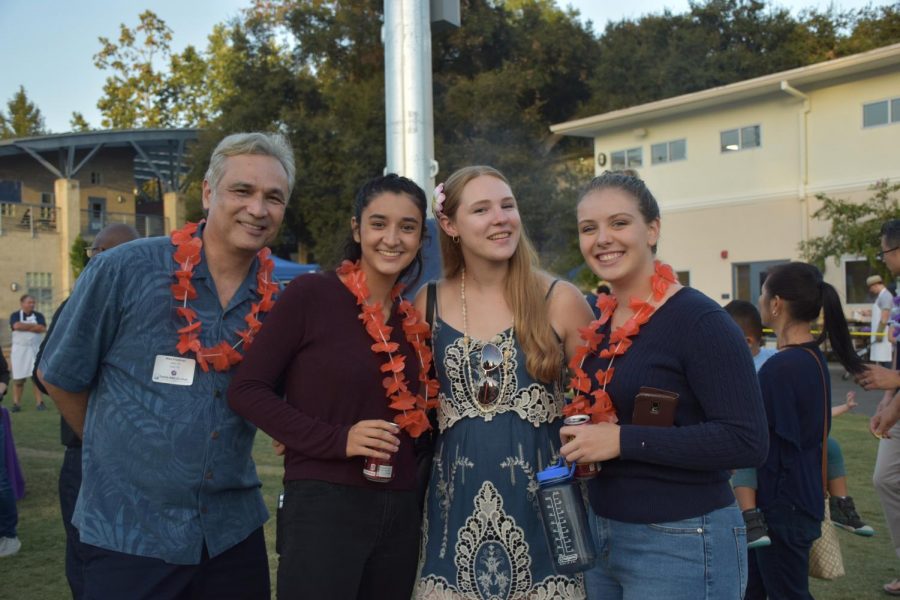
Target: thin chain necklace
column 467, row 343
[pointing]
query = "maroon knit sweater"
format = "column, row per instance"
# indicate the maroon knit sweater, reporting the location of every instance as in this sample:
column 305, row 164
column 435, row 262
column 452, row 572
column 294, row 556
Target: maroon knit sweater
column 311, row 374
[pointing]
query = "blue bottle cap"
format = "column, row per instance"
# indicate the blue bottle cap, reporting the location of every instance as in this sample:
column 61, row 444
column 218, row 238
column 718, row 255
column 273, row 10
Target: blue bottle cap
column 560, row 472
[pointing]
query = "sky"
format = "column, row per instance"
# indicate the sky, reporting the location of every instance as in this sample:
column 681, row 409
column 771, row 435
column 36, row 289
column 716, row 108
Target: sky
column 48, row 45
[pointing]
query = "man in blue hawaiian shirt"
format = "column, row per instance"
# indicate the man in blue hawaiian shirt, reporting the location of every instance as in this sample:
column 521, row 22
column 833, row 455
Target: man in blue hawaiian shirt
column 170, row 505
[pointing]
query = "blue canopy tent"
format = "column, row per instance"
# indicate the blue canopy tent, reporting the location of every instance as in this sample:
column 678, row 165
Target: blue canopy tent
column 286, row 270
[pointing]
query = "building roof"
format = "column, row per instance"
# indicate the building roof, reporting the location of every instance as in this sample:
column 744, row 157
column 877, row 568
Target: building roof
column 158, row 153
column 886, row 59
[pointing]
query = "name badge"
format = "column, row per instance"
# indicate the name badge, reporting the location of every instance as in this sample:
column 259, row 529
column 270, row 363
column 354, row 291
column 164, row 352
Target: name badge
column 174, row 370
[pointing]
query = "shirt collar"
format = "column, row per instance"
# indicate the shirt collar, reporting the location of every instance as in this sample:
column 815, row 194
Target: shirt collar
column 247, row 291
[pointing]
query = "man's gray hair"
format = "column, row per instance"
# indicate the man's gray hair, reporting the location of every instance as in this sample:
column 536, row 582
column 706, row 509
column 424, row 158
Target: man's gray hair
column 264, row 144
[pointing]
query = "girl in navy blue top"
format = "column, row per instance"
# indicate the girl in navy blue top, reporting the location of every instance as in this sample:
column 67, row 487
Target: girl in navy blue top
column 797, row 394
column 664, row 518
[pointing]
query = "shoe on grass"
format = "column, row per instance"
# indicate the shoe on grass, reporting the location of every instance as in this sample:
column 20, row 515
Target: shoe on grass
column 892, row 588
column 844, row 515
column 9, row 546
column 41, row 406
column 16, row 408
column 757, row 530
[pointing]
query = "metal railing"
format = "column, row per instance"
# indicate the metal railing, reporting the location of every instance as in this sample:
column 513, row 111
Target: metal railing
column 93, row 221
column 19, row 216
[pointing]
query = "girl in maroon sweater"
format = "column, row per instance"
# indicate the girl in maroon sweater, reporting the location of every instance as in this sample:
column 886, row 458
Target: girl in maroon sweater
column 315, row 381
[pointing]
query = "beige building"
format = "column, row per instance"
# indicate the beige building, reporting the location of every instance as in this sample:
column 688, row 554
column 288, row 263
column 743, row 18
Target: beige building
column 55, row 188
column 736, row 168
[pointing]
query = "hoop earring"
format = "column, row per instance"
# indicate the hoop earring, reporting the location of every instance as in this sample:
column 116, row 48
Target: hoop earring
column 455, row 239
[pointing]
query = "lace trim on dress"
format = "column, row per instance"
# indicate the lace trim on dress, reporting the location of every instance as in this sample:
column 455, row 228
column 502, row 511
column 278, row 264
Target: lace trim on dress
column 534, row 403
column 493, row 561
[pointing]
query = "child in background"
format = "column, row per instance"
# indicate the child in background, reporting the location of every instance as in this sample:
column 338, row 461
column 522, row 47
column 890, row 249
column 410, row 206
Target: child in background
column 843, row 509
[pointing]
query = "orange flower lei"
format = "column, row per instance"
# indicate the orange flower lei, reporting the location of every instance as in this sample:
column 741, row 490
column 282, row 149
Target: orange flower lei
column 223, row 355
column 412, row 408
column 598, row 404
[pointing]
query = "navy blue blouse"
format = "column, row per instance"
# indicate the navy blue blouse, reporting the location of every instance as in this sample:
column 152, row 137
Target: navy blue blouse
column 693, row 348
column 796, row 409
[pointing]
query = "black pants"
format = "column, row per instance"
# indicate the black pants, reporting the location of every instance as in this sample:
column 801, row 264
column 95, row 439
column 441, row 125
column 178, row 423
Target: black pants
column 347, row 543
column 784, row 565
column 69, row 484
column 239, row 573
column 755, row 588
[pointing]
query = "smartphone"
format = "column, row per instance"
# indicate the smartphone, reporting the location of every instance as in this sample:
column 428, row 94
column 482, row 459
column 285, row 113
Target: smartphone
column 654, row 407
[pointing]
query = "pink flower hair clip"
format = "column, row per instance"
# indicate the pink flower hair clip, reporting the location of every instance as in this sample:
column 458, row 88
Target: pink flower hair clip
column 437, row 199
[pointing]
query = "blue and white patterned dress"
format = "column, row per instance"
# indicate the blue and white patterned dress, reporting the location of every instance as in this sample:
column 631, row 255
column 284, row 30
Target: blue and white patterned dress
column 482, row 531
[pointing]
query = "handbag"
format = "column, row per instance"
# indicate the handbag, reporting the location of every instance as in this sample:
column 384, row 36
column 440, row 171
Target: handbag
column 825, row 558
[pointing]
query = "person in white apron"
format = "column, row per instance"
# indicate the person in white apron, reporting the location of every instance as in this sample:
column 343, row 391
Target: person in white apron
column 880, row 347
column 28, row 327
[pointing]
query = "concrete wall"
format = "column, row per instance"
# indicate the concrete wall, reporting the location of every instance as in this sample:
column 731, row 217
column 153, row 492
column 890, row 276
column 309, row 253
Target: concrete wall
column 47, row 251
column 19, row 254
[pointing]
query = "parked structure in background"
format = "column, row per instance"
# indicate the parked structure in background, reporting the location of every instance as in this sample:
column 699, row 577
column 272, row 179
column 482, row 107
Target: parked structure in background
column 737, row 168
column 56, row 187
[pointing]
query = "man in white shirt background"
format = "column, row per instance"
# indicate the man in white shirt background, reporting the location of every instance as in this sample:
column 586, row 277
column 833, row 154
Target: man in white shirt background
column 880, row 347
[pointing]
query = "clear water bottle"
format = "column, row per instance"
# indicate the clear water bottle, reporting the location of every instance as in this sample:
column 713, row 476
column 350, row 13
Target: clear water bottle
column 565, row 520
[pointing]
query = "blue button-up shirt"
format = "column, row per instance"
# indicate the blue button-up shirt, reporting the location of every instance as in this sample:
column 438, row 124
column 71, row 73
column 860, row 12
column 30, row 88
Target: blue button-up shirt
column 166, row 468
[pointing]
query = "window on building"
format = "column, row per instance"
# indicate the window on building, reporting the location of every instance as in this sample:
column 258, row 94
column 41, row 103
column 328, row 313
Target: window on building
column 47, row 198
column 666, row 152
column 10, row 191
column 627, row 159
column 747, row 279
column 855, row 274
column 684, row 278
column 40, row 285
column 881, row 113
column 96, row 178
column 742, row 138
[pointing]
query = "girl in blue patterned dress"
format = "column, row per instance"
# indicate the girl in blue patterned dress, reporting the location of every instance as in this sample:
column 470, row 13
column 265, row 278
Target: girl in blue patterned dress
column 502, row 328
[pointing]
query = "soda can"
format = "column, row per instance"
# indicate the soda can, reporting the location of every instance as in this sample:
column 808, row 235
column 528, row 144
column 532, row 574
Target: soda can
column 379, row 470
column 582, row 470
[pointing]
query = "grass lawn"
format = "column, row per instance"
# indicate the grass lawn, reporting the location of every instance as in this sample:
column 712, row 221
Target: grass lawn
column 37, row 571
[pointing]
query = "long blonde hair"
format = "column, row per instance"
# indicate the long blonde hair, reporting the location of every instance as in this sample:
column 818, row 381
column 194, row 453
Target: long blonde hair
column 524, row 290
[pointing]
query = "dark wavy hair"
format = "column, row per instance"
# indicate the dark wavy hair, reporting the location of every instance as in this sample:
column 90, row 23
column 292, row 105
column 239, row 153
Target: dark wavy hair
column 806, row 295
column 396, row 184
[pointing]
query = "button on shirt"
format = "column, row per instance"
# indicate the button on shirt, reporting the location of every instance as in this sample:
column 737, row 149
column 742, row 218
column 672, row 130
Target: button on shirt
column 166, row 468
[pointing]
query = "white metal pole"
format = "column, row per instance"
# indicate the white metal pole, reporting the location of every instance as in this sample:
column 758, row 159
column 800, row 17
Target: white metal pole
column 409, row 117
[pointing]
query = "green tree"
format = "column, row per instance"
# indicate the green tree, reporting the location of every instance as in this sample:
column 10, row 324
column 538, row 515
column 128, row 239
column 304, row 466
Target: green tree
column 79, row 123
column 872, row 27
column 78, row 255
column 22, row 118
column 187, row 90
column 133, row 91
column 854, row 227
column 499, row 82
column 715, row 43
